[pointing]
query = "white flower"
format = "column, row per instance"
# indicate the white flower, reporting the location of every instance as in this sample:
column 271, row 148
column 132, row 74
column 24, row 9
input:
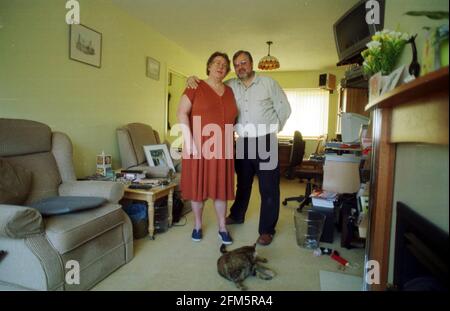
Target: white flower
column 405, row 36
column 393, row 34
column 373, row 44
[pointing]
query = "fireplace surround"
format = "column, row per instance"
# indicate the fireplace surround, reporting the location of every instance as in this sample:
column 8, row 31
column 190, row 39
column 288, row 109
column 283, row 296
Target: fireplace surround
column 421, row 259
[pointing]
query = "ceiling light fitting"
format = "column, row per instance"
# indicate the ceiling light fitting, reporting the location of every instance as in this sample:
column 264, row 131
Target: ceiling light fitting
column 269, row 62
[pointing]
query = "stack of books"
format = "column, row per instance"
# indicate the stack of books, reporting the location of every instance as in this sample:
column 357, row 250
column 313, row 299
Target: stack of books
column 341, row 145
column 322, row 198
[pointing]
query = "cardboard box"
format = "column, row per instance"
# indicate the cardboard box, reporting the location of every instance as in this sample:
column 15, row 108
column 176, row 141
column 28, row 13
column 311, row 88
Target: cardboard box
column 341, row 174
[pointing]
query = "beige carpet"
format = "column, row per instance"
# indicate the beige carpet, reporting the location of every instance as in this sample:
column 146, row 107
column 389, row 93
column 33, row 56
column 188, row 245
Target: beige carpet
column 174, row 262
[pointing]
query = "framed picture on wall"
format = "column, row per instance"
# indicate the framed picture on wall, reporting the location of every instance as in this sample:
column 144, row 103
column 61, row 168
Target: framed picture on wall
column 85, row 45
column 153, row 68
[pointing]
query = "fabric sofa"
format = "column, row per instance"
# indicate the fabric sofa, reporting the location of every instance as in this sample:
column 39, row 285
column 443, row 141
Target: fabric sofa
column 37, row 163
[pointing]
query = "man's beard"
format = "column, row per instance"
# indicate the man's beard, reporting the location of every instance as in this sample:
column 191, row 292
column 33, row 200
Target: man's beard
column 245, row 75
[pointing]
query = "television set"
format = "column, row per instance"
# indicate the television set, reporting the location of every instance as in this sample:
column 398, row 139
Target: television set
column 352, row 32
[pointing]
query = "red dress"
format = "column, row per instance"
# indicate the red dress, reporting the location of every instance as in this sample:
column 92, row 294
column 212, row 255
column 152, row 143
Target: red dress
column 211, row 176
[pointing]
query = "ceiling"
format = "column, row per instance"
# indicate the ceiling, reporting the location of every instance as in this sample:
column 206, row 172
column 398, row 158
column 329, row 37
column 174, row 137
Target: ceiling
column 301, row 30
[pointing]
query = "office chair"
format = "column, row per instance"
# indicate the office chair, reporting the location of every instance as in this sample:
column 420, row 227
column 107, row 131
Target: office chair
column 304, row 172
column 297, row 154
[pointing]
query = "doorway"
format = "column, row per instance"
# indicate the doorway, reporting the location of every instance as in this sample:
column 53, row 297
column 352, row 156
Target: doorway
column 176, row 83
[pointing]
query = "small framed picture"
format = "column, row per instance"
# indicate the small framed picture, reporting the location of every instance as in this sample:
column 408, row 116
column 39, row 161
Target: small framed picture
column 158, row 156
column 393, row 79
column 153, row 68
column 85, row 45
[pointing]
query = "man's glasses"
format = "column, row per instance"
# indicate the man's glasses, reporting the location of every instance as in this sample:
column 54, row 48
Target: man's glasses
column 241, row 63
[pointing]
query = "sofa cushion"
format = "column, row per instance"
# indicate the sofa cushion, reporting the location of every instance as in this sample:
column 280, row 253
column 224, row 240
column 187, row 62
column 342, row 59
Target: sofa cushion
column 65, row 204
column 45, row 174
column 18, row 222
column 67, row 232
column 15, row 183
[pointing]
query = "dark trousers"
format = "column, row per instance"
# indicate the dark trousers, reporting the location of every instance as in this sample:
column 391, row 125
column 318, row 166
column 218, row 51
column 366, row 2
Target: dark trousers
column 269, row 187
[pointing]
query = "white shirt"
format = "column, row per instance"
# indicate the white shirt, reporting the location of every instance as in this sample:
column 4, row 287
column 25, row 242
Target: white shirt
column 263, row 106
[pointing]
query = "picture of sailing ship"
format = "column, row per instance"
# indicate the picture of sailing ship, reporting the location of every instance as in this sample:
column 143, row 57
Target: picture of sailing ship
column 85, row 45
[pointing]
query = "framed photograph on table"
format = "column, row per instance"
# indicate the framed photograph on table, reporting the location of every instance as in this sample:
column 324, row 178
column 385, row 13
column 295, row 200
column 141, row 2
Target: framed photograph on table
column 158, row 156
column 153, row 68
column 393, row 79
column 85, row 45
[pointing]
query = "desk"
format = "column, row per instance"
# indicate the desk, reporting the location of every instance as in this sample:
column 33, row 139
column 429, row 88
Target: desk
column 311, row 168
column 284, row 155
column 150, row 196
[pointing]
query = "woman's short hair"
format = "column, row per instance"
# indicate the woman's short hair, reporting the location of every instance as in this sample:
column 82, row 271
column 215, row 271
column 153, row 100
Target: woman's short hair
column 213, row 56
column 243, row 52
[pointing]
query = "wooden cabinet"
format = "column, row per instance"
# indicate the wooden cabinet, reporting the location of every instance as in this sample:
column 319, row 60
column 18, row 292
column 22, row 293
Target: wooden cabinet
column 351, row 100
column 354, row 100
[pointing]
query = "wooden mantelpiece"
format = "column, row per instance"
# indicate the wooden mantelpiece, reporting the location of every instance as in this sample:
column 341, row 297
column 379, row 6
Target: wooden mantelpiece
column 422, row 86
column 416, row 112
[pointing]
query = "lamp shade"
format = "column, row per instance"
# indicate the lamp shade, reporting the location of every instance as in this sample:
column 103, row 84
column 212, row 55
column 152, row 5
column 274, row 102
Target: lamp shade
column 269, row 62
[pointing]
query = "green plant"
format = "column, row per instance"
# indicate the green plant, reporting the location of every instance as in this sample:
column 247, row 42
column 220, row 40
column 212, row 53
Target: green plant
column 429, row 14
column 383, row 51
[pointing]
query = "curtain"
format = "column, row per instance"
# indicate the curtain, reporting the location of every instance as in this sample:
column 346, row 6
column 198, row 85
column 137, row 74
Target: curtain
column 309, row 112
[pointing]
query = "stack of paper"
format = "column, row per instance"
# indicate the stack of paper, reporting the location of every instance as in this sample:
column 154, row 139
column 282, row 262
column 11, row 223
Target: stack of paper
column 323, row 198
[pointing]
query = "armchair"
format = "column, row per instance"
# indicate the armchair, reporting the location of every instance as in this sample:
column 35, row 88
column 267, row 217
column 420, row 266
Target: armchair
column 38, row 162
column 131, row 138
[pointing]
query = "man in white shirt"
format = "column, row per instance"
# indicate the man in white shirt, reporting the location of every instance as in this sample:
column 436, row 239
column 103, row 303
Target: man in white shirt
column 263, row 112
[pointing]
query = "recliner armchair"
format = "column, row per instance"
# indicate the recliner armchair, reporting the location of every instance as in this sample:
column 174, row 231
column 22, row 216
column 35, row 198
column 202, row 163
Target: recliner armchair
column 38, row 248
column 131, row 138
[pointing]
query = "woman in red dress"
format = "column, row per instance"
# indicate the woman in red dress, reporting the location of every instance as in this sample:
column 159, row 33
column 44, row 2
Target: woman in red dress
column 207, row 115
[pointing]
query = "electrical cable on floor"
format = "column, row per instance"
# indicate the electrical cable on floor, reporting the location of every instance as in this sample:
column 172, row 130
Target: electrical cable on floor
column 185, row 222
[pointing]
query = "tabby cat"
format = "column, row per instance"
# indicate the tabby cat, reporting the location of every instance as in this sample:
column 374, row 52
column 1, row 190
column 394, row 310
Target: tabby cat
column 2, row 254
column 238, row 264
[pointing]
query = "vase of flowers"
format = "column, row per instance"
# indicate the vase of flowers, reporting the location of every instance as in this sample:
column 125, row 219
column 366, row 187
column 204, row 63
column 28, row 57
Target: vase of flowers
column 383, row 51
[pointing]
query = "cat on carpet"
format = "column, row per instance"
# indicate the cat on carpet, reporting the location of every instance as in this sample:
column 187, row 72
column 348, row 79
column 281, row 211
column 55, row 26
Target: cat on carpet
column 2, row 254
column 238, row 264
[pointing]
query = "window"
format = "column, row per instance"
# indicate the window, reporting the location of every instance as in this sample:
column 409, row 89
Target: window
column 309, row 112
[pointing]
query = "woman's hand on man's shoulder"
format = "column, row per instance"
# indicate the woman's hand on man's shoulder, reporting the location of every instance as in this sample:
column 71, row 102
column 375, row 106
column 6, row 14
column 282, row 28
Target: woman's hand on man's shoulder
column 192, row 82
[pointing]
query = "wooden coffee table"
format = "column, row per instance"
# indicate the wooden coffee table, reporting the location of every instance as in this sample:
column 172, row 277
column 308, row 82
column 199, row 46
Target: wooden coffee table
column 150, row 196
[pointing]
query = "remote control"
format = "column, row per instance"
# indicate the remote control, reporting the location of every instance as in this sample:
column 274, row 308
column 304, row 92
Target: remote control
column 140, row 186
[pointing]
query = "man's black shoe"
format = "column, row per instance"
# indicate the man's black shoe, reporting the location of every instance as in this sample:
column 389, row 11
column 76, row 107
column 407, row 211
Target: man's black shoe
column 231, row 221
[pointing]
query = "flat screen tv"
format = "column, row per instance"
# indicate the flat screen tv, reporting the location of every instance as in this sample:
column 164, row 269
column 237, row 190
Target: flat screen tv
column 352, row 32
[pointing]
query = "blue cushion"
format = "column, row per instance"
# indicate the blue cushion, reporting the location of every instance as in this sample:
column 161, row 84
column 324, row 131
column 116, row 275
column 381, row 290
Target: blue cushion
column 63, row 205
